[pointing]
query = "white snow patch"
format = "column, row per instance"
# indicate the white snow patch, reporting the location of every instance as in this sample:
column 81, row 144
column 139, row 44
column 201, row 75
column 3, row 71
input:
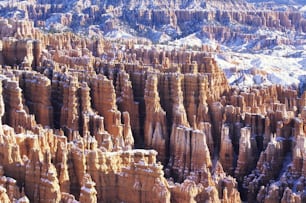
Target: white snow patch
column 118, row 34
column 254, row 69
column 194, row 40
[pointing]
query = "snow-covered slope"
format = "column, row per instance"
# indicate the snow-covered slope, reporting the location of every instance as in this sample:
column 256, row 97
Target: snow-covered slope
column 245, row 69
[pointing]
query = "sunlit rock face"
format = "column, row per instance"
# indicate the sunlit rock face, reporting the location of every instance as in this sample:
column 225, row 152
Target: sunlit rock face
column 84, row 119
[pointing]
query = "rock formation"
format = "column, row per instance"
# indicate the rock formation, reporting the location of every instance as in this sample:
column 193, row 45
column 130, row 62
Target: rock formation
column 156, row 134
column 85, row 120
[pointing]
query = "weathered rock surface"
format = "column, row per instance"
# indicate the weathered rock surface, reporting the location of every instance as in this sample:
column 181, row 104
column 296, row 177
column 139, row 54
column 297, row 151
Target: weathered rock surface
column 73, row 114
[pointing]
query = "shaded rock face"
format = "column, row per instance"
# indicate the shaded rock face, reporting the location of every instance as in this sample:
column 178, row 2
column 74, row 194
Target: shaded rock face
column 81, row 124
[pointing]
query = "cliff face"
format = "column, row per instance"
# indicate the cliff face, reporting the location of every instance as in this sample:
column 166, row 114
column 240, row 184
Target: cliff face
column 70, row 127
